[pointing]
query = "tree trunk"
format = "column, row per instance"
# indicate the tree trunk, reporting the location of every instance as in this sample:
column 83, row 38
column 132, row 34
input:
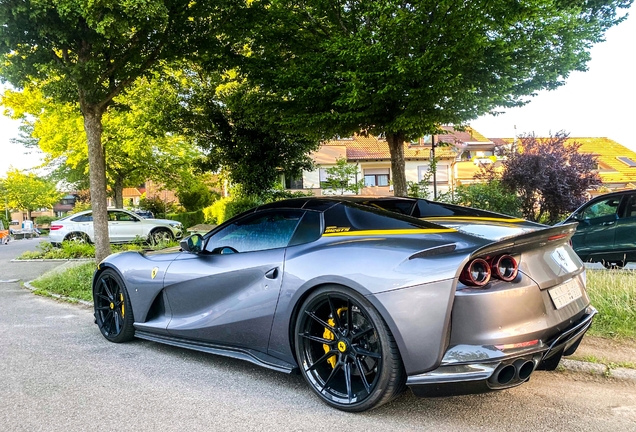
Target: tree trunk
column 97, row 176
column 119, row 192
column 398, row 174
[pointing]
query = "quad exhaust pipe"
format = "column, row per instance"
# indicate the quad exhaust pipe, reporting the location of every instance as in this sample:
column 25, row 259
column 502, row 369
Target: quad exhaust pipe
column 512, row 373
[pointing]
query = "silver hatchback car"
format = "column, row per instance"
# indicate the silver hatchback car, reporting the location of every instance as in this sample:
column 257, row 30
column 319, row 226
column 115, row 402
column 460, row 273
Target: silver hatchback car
column 123, row 227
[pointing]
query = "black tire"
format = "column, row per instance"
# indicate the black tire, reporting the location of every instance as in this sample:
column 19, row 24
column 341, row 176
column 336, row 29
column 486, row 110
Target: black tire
column 352, row 363
column 614, row 265
column 78, row 237
column 113, row 312
column 160, row 236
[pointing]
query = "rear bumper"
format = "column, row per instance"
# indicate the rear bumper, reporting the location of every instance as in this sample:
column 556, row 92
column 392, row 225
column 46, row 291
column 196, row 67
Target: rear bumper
column 475, row 369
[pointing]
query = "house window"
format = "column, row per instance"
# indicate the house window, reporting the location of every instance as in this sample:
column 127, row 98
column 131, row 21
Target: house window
column 441, row 175
column 376, row 177
column 293, row 182
column 323, row 177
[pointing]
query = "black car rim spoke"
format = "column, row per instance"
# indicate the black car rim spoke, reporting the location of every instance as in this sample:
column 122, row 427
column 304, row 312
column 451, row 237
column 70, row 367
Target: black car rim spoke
column 340, row 349
column 367, row 387
column 316, row 338
column 321, row 322
column 319, row 361
column 334, row 313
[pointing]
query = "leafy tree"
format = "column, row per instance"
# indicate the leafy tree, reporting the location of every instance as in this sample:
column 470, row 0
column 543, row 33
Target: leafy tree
column 136, row 148
column 89, row 53
column 240, row 132
column 195, row 195
column 341, row 177
column 29, row 192
column 155, row 204
column 400, row 69
column 550, row 176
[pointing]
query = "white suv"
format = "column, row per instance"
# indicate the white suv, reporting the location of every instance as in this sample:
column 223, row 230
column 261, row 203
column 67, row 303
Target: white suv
column 123, row 227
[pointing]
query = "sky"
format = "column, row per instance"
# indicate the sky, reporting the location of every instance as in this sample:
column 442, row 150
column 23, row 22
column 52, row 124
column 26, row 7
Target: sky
column 596, row 103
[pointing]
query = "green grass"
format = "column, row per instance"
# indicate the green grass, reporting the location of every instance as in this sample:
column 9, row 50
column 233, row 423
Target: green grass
column 74, row 282
column 73, row 250
column 609, row 364
column 613, row 293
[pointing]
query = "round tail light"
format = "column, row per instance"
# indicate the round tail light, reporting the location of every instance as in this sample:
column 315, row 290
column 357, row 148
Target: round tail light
column 476, row 273
column 504, row 267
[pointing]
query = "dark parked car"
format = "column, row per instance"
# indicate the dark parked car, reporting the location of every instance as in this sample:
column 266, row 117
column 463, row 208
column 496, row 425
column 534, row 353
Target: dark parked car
column 607, row 229
column 361, row 300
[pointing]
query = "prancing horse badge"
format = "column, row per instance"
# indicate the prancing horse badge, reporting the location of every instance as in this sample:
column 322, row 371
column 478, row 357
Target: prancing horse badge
column 154, row 272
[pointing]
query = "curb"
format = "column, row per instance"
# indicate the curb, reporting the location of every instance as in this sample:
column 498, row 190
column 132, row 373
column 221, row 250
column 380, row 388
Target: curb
column 57, row 296
column 598, row 369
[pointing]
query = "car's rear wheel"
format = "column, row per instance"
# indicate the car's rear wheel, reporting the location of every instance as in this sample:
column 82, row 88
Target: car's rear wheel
column 614, row 265
column 113, row 313
column 160, row 236
column 77, row 237
column 346, row 352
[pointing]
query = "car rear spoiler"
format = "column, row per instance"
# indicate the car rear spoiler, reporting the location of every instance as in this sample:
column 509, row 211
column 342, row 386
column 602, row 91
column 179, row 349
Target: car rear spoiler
column 556, row 234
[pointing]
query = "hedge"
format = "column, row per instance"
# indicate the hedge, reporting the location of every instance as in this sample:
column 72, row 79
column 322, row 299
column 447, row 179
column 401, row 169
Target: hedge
column 188, row 219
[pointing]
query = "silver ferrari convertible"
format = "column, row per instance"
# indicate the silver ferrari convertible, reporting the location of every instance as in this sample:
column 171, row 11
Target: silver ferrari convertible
column 360, row 300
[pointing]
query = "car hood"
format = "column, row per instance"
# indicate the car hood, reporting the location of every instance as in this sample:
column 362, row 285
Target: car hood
column 160, row 221
column 488, row 227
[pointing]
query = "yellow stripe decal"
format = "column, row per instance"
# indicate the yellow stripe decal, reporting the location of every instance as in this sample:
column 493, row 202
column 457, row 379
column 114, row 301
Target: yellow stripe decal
column 473, row 218
column 389, row 232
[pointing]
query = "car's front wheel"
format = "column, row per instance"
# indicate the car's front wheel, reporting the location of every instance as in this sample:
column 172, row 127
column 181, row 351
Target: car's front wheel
column 346, row 352
column 113, row 313
column 161, row 236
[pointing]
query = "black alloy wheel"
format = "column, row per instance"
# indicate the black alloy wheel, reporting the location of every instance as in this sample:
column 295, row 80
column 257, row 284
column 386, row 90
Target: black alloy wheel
column 346, row 351
column 113, row 313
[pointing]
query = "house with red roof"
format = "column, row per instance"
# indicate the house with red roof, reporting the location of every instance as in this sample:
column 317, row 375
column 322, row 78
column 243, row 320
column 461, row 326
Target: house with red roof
column 372, row 157
column 460, row 156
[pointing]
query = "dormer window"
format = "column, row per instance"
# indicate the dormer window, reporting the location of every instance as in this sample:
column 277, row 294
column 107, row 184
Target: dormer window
column 627, row 161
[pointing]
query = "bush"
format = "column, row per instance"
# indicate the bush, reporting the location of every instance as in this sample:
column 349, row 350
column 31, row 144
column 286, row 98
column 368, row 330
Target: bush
column 215, row 214
column 491, row 196
column 188, row 219
column 45, row 220
column 226, row 208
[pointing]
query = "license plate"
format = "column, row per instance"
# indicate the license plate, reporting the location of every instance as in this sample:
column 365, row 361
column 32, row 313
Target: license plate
column 565, row 293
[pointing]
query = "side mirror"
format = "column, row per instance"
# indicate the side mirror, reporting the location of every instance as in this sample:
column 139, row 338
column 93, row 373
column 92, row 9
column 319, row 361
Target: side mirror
column 193, row 243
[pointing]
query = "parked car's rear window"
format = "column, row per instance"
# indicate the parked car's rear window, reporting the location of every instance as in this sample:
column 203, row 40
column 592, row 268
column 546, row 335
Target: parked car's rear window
column 83, row 218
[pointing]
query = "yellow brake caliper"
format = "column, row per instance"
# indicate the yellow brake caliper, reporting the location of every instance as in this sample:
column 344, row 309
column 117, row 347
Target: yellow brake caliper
column 329, row 335
column 121, row 298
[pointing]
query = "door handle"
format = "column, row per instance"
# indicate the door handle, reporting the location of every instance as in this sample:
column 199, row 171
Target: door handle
column 272, row 274
column 608, row 223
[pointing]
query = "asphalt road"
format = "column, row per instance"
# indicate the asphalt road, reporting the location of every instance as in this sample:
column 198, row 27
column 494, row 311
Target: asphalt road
column 57, row 373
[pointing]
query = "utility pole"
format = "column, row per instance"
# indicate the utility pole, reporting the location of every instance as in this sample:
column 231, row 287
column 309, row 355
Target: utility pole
column 434, row 165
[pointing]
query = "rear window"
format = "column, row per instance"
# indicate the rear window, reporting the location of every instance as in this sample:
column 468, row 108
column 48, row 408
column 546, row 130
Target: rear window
column 346, row 217
column 83, row 218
